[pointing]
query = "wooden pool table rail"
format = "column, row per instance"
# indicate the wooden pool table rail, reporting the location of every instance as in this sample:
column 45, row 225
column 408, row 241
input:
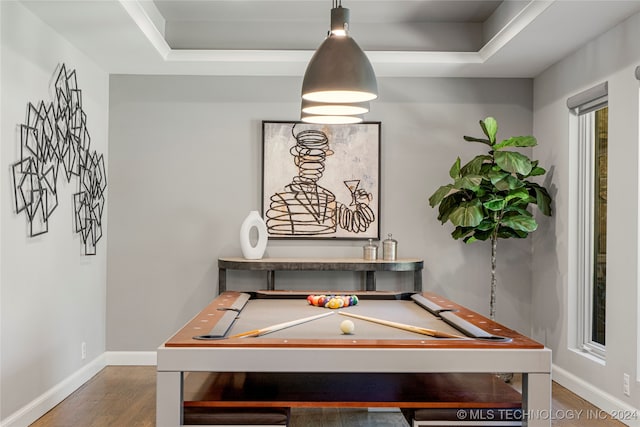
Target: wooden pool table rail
column 207, row 318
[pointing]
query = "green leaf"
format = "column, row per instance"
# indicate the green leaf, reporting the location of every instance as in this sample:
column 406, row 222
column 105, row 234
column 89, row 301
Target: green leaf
column 497, row 175
column 461, row 232
column 517, row 141
column 479, row 235
column 519, row 193
column 537, row 171
column 472, row 139
column 448, row 205
column 543, row 199
column 490, row 128
column 513, row 162
column 454, row 172
column 474, row 167
column 440, row 194
column 486, row 225
column 487, row 168
column 469, row 182
column 518, row 210
column 508, row 183
column 468, row 214
column 496, row 203
column 520, row 222
column 522, row 201
column 506, row 233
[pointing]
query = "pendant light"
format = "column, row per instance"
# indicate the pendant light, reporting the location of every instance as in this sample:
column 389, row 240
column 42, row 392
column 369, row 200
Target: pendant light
column 339, row 77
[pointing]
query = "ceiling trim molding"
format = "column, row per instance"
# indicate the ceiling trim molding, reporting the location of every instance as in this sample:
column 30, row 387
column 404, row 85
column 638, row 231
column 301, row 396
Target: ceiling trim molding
column 421, row 57
column 140, row 15
column 230, row 55
column 148, row 26
column 526, row 16
column 303, row 56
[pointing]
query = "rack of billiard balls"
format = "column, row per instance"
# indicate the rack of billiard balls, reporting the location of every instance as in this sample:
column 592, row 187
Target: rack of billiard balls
column 332, row 301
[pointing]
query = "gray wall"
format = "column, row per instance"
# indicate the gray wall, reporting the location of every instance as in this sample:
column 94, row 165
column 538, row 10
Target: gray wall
column 52, row 297
column 611, row 57
column 185, row 169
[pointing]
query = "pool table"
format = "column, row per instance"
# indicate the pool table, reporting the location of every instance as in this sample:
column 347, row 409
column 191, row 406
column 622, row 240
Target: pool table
column 375, row 366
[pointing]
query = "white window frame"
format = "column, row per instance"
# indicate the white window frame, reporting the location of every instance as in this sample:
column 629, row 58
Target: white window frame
column 637, row 74
column 586, row 221
column 584, row 106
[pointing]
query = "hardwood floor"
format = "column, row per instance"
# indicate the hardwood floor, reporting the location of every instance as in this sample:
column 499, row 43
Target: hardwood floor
column 125, row 396
column 116, row 396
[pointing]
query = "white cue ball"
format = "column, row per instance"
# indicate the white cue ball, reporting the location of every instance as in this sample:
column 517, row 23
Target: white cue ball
column 347, row 327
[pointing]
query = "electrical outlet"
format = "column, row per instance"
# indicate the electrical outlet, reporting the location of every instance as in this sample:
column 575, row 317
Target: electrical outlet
column 83, row 350
column 625, row 385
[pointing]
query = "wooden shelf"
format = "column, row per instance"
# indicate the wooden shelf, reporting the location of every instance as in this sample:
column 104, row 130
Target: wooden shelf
column 271, row 265
column 327, row 389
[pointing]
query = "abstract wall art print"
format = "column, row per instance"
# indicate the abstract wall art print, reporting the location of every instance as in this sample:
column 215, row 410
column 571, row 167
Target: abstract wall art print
column 321, row 181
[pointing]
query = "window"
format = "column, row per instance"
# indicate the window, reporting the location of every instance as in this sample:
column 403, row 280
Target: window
column 593, row 117
column 599, row 291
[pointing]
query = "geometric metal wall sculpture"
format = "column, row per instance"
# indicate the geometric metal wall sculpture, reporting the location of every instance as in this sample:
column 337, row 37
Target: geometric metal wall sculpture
column 55, row 138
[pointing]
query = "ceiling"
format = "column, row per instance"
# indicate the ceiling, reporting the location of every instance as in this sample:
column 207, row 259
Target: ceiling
column 404, row 38
column 377, row 25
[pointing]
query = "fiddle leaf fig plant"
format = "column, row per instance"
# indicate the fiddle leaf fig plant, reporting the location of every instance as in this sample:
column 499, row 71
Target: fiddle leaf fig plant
column 491, row 195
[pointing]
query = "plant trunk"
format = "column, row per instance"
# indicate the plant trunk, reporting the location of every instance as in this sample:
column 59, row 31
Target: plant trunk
column 492, row 303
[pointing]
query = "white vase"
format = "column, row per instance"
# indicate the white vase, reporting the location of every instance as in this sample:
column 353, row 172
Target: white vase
column 253, row 220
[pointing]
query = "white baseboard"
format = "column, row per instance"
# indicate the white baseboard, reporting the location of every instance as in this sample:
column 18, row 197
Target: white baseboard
column 597, row 397
column 131, row 358
column 29, row 413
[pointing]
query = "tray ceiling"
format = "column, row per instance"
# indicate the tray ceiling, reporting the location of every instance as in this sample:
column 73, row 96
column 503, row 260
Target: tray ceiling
column 405, row 38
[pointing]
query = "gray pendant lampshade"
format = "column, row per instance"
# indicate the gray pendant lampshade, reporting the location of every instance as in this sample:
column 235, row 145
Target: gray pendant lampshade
column 339, row 71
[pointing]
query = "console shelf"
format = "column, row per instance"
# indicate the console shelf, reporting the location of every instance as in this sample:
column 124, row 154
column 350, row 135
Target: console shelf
column 271, row 265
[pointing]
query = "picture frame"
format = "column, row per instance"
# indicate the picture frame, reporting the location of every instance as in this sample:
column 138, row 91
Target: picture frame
column 321, row 181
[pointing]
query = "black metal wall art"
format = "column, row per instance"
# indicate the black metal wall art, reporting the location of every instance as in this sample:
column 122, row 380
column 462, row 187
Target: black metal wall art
column 55, row 135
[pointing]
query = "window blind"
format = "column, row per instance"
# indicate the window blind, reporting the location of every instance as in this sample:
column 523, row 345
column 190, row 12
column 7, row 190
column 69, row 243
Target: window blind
column 589, row 100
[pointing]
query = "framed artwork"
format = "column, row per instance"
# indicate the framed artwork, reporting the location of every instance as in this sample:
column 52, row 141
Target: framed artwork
column 321, row 181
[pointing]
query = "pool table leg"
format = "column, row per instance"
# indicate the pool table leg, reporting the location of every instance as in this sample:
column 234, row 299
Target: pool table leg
column 370, row 281
column 222, row 280
column 536, row 399
column 169, row 399
column 271, row 280
column 417, row 280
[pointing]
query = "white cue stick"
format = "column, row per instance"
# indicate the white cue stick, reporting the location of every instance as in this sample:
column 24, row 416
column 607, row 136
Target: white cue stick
column 403, row 326
column 279, row 326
